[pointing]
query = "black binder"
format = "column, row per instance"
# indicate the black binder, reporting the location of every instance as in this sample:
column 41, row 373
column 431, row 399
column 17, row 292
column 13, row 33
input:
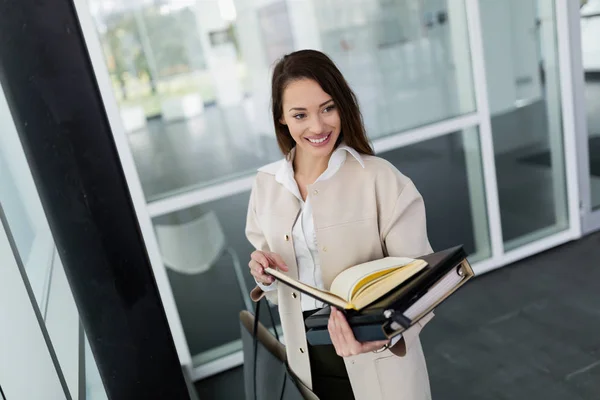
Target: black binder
column 446, row 272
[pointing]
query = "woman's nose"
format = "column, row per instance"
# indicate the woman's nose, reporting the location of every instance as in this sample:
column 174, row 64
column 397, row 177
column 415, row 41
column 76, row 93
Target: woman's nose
column 318, row 125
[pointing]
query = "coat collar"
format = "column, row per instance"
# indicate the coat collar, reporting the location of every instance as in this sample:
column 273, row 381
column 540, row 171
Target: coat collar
column 337, row 159
column 283, row 170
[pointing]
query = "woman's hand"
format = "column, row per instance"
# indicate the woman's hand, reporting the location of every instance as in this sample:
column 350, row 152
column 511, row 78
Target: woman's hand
column 259, row 260
column 343, row 339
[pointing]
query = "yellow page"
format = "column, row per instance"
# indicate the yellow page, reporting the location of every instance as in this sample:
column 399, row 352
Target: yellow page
column 352, row 279
column 373, row 292
column 362, row 288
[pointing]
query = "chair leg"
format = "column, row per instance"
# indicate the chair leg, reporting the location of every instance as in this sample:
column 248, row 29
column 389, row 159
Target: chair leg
column 240, row 278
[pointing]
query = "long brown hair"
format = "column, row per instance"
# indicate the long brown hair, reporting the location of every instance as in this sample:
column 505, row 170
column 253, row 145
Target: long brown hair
column 312, row 64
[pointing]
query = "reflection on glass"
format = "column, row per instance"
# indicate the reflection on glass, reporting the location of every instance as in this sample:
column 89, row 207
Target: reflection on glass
column 448, row 173
column 407, row 60
column 29, row 230
column 206, row 255
column 521, row 61
column 192, row 78
column 590, row 46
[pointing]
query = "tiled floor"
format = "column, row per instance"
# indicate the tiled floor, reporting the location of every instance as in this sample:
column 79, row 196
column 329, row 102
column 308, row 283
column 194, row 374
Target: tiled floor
column 527, row 331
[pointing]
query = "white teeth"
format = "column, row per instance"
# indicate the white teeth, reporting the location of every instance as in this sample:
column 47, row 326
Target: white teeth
column 317, row 141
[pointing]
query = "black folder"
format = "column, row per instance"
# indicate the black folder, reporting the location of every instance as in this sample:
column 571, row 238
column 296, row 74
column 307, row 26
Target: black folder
column 446, row 272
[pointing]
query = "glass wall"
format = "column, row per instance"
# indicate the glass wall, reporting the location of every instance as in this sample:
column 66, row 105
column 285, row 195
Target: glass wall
column 521, row 62
column 447, row 171
column 192, row 80
column 209, row 276
column 28, row 229
column 590, row 46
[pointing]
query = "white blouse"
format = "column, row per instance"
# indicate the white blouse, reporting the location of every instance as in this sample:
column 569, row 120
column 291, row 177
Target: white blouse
column 303, row 231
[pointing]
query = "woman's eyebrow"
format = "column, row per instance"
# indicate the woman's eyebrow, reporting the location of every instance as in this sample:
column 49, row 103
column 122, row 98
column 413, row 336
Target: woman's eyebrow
column 304, row 109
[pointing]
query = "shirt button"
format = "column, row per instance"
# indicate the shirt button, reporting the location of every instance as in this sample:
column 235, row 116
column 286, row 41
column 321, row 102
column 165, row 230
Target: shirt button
column 286, row 238
column 315, row 192
column 301, row 350
column 324, row 249
column 294, row 295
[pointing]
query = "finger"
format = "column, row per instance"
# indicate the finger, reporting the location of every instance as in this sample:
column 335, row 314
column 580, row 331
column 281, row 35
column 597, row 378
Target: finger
column 354, row 347
column 260, row 258
column 255, row 266
column 278, row 262
column 256, row 270
column 372, row 346
column 260, row 278
column 343, row 344
column 333, row 333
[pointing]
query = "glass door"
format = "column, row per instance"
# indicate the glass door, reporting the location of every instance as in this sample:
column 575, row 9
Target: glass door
column 585, row 33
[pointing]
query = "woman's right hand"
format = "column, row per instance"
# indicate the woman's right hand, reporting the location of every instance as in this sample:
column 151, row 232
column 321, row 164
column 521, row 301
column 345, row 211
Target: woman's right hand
column 259, row 260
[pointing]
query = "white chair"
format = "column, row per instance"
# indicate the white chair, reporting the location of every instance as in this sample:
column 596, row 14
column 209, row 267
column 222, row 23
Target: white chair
column 133, row 118
column 194, row 247
column 182, row 107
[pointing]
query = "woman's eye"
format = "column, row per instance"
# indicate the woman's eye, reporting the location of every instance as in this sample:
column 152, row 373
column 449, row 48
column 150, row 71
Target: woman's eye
column 299, row 116
column 329, row 108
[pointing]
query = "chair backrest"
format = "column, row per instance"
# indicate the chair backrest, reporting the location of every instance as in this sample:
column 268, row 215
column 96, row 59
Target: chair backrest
column 191, row 247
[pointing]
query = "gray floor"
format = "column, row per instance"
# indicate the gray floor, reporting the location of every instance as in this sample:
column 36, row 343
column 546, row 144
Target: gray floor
column 526, row 331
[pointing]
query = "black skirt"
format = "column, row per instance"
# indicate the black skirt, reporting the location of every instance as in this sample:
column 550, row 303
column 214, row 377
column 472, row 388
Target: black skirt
column 328, row 371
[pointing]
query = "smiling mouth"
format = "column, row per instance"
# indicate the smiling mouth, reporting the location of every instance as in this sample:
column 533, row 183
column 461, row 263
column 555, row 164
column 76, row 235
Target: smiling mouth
column 320, row 140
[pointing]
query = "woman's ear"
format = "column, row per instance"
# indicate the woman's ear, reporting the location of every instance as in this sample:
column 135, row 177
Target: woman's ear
column 282, row 121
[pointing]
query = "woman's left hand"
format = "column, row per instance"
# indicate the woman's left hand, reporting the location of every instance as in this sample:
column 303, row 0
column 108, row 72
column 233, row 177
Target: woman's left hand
column 343, row 339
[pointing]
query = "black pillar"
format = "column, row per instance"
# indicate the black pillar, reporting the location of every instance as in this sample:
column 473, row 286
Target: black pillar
column 47, row 77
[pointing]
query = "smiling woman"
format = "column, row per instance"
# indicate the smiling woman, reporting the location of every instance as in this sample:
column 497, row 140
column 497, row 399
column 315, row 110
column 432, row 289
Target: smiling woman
column 328, row 160
column 315, row 126
column 310, row 90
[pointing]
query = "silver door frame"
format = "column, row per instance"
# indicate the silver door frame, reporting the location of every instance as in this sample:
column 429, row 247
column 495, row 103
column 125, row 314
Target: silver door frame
column 590, row 220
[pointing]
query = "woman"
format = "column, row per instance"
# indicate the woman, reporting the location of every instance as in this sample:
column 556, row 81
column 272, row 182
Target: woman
column 328, row 205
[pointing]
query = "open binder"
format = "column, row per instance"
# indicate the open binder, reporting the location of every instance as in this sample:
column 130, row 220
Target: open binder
column 443, row 274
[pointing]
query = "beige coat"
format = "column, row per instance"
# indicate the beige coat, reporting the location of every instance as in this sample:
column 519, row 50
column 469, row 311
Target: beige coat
column 360, row 214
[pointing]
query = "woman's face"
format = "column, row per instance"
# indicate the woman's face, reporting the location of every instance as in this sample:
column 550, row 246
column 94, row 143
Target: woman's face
column 311, row 116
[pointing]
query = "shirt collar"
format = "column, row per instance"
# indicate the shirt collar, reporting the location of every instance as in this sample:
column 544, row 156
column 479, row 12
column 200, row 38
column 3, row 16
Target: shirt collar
column 284, row 169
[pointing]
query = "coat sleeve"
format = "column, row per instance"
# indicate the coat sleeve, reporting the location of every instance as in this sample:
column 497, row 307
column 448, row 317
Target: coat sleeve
column 405, row 235
column 257, row 239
